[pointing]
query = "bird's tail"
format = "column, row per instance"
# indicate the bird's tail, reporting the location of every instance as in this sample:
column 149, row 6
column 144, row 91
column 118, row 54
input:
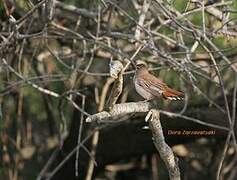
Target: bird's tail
column 172, row 94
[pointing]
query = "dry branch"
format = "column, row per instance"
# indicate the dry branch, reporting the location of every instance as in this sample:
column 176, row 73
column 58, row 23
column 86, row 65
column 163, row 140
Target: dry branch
column 120, row 109
column 165, row 151
column 76, row 10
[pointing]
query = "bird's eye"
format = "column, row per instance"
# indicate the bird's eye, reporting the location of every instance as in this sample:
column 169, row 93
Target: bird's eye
column 139, row 66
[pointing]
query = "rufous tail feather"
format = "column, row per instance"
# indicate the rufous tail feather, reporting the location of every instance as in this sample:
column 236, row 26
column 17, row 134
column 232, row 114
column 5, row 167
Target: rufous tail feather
column 172, row 94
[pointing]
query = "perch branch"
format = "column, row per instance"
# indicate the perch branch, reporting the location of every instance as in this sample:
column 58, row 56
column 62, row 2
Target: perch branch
column 142, row 107
column 120, row 109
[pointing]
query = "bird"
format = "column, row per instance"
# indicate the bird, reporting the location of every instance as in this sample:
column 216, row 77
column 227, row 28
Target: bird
column 150, row 87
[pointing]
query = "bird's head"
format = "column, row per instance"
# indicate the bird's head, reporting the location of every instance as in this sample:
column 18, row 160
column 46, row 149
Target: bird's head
column 140, row 66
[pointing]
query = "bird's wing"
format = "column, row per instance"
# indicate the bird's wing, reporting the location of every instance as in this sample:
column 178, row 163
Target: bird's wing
column 156, row 86
column 156, row 90
column 153, row 88
column 143, row 84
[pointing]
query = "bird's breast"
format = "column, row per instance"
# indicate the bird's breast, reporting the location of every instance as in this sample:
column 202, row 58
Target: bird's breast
column 142, row 91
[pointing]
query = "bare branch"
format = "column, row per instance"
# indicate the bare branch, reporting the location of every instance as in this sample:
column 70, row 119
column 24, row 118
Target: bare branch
column 120, row 109
column 165, row 151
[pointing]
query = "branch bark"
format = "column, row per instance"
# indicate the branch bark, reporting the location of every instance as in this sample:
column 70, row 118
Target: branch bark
column 165, row 151
column 119, row 110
